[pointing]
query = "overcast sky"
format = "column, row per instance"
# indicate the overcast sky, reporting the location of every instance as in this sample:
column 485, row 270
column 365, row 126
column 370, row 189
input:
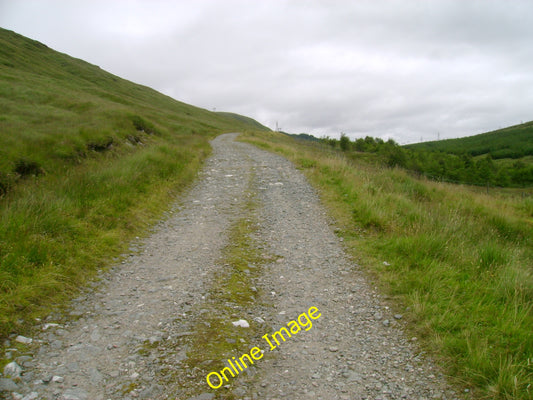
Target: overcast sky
column 409, row 70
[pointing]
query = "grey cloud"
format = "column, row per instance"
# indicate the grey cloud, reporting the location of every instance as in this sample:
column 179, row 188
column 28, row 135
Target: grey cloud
column 396, row 69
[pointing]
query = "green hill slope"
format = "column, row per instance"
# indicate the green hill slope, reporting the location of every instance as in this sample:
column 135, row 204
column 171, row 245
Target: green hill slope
column 55, row 108
column 512, row 142
column 87, row 161
column 244, row 120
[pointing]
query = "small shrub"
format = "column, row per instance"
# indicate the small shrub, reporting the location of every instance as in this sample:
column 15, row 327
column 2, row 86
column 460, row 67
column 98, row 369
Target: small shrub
column 344, row 142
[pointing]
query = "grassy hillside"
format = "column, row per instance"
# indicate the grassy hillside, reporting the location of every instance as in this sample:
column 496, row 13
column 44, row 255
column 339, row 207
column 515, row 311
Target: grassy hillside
column 87, row 161
column 455, row 261
column 512, row 142
column 249, row 122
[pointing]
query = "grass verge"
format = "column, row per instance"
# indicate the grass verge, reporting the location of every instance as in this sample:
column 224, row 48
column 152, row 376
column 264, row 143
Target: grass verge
column 56, row 231
column 459, row 261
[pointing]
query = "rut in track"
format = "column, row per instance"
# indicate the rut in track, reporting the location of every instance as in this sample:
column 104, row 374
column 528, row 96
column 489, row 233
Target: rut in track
column 134, row 335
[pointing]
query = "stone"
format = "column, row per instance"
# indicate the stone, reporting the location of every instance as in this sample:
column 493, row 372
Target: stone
column 23, row 359
column 49, row 325
column 12, row 370
column 74, row 394
column 7, row 385
column 31, row 396
column 23, row 339
column 95, row 376
column 242, row 323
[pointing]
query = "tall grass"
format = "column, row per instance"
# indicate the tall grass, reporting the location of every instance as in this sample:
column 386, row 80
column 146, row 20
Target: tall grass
column 87, row 161
column 458, row 263
column 57, row 230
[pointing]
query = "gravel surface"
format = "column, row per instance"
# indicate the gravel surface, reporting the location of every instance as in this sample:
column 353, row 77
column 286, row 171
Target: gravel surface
column 124, row 337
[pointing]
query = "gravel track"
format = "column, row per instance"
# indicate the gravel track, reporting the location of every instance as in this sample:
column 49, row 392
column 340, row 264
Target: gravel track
column 355, row 350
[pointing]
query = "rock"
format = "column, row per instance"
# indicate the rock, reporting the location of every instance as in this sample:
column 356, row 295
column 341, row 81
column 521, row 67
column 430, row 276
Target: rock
column 23, row 339
column 12, row 370
column 150, row 392
column 49, row 325
column 7, row 385
column 25, row 361
column 155, row 339
column 74, row 394
column 31, row 396
column 58, row 379
column 386, row 322
column 333, row 349
column 259, row 319
column 242, row 323
column 95, row 376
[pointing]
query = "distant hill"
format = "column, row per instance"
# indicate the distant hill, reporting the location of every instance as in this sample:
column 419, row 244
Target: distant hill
column 513, row 142
column 302, row 136
column 251, row 123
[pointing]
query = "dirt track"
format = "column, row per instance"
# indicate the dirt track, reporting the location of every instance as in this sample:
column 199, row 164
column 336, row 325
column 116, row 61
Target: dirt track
column 132, row 336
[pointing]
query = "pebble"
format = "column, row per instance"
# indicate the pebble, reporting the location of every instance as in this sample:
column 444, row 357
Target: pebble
column 23, row 339
column 242, row 323
column 7, row 385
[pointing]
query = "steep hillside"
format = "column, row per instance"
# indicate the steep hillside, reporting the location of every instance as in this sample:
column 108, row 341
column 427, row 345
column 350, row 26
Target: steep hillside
column 512, row 142
column 87, row 161
column 56, row 109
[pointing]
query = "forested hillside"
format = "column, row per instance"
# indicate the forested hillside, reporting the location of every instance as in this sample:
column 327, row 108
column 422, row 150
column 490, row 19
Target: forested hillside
column 469, row 160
